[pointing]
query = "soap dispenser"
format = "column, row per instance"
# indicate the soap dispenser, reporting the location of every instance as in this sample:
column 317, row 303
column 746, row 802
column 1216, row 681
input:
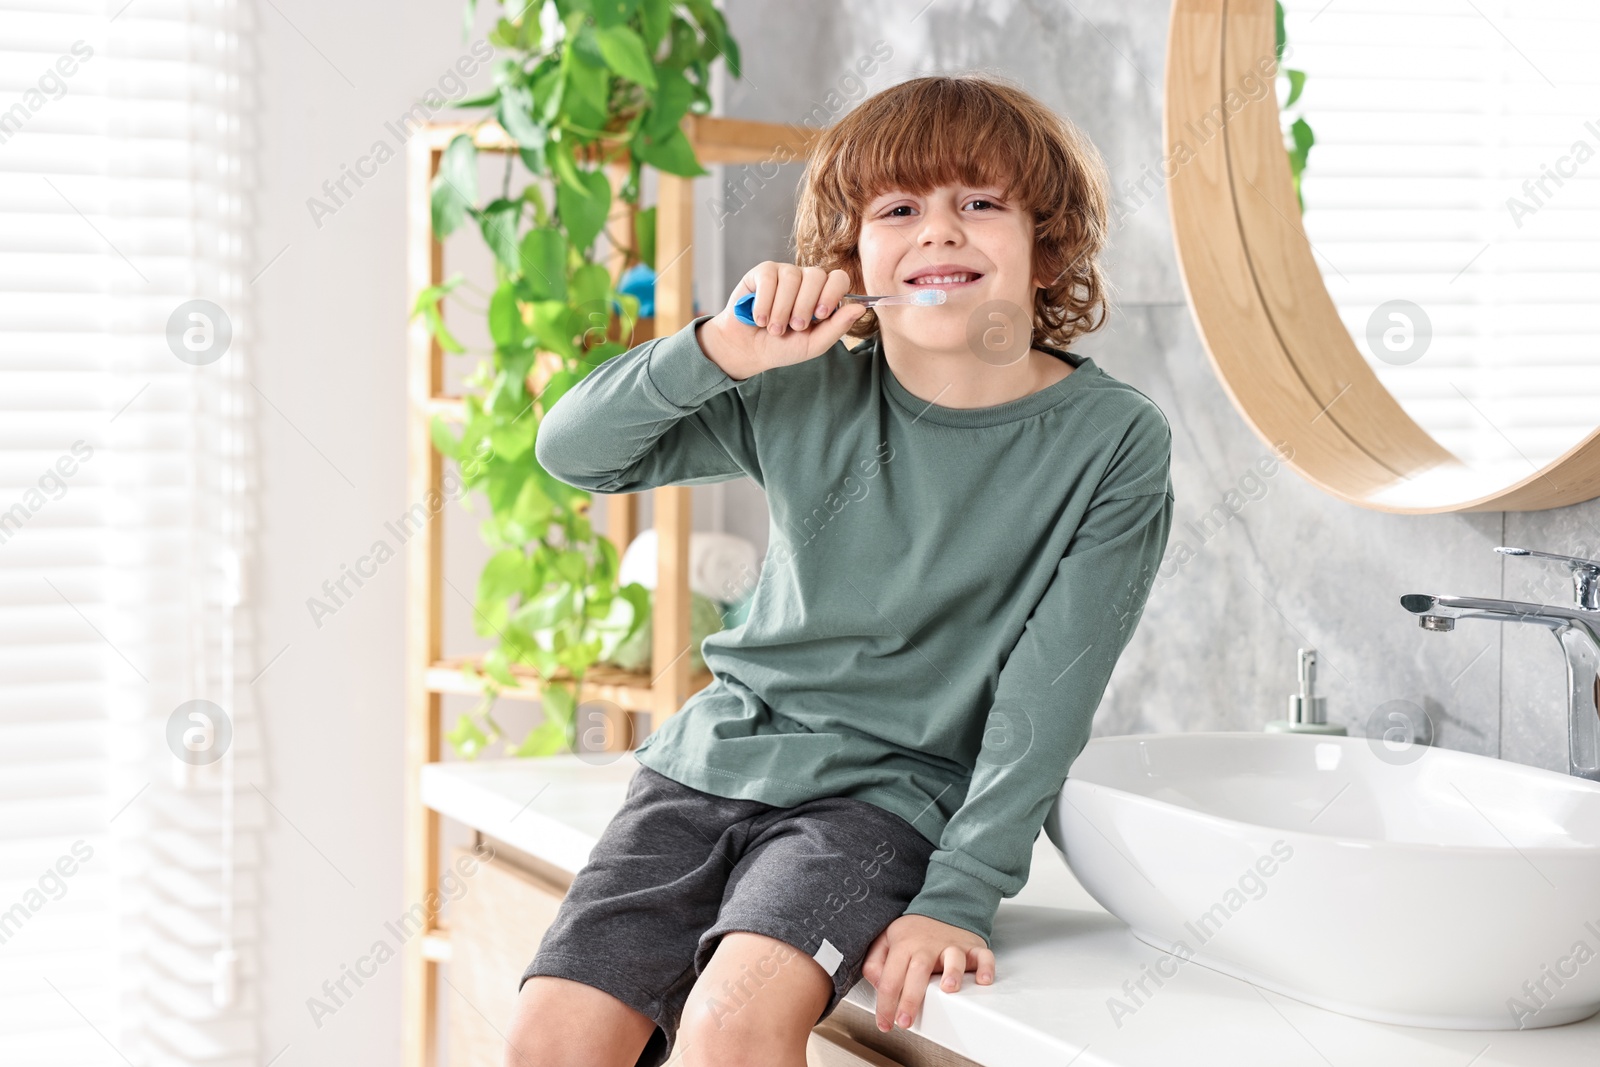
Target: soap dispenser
column 1308, row 710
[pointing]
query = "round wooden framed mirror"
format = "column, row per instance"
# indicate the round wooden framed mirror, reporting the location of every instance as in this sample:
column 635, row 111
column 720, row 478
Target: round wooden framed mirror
column 1414, row 336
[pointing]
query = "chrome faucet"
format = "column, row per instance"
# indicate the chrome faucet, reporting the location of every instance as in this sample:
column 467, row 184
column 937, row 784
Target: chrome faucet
column 1577, row 628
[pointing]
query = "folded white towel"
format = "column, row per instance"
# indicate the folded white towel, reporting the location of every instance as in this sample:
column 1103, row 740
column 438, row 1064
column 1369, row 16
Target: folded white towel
column 722, row 567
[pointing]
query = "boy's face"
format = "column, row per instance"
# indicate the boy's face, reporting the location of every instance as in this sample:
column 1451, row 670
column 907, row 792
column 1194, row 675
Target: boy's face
column 906, row 237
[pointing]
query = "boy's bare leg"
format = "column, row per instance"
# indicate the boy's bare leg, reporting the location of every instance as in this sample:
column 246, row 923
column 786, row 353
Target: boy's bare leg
column 754, row 1004
column 561, row 1023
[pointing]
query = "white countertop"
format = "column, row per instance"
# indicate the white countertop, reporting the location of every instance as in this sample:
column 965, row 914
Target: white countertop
column 1060, row 958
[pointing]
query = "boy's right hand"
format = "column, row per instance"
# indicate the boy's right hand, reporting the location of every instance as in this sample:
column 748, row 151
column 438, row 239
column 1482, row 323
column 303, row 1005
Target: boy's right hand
column 785, row 294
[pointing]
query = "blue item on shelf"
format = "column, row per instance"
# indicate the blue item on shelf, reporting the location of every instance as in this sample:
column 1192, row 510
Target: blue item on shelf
column 640, row 280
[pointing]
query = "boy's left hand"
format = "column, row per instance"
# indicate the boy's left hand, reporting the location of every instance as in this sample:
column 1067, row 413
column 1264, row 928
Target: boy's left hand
column 912, row 948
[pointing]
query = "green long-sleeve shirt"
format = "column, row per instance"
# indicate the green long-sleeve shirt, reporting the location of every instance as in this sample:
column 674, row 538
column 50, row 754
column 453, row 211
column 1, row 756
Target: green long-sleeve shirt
column 943, row 599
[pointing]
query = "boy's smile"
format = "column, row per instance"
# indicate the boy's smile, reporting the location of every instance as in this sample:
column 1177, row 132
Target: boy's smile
column 944, row 276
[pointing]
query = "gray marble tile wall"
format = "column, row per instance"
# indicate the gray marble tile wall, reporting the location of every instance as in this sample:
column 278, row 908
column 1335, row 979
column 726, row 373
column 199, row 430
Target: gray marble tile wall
column 1216, row 649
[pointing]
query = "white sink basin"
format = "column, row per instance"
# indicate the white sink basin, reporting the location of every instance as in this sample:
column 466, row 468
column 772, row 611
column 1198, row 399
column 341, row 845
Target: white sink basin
column 1426, row 888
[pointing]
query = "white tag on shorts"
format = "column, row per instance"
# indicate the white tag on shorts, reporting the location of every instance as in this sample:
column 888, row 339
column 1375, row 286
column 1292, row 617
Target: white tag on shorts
column 828, row 956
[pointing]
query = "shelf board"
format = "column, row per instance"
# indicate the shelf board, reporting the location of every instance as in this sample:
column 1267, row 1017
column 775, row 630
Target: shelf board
column 716, row 139
column 629, row 690
column 436, row 945
column 452, row 408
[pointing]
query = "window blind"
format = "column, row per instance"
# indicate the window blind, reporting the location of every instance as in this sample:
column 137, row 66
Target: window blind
column 127, row 886
column 1436, row 123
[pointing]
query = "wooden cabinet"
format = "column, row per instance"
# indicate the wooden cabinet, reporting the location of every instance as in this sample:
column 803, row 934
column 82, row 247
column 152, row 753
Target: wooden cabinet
column 494, row 930
column 856, row 1030
column 830, row 1046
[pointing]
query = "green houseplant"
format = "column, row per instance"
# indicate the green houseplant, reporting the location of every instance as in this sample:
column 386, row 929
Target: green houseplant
column 610, row 81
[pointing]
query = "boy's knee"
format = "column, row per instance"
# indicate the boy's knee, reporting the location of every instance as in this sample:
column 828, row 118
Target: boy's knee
column 710, row 1038
column 520, row 1030
column 755, row 1004
column 558, row 1022
column 538, row 1035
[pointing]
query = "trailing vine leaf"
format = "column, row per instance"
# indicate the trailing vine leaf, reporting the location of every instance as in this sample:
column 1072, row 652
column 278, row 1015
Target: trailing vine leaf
column 434, row 293
column 495, row 666
column 488, row 99
column 1297, row 83
column 515, row 438
column 427, row 305
column 455, row 187
column 559, row 155
column 655, row 17
column 499, row 223
column 551, row 319
column 639, row 597
column 670, row 105
column 588, row 83
column 527, row 517
column 718, row 42
column 505, row 319
column 448, row 444
column 590, row 289
column 546, row 739
column 543, row 262
column 672, row 154
column 571, row 565
column 466, row 738
column 612, row 12
column 546, row 609
column 515, row 112
column 644, row 236
column 1298, row 154
column 624, row 53
column 504, row 576
column 549, row 90
column 584, row 210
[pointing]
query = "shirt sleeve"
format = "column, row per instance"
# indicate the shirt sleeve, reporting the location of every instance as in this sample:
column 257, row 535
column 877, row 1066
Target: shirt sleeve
column 1045, row 700
column 661, row 413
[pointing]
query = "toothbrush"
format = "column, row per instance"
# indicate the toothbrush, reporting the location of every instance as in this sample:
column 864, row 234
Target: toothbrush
column 743, row 309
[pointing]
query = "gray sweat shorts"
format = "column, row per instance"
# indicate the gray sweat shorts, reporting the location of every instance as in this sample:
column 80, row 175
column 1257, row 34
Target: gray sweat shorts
column 678, row 868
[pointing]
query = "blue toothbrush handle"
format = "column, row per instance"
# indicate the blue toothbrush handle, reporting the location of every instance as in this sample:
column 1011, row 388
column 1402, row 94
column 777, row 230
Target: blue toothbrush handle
column 744, row 309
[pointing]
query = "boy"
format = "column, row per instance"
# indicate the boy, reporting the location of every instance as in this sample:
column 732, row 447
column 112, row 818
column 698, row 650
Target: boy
column 965, row 523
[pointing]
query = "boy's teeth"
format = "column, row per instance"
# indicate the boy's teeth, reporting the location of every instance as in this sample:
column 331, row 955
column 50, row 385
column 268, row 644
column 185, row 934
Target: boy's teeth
column 942, row 279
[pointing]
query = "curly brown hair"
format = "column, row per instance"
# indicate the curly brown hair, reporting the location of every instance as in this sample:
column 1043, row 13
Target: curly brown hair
column 970, row 129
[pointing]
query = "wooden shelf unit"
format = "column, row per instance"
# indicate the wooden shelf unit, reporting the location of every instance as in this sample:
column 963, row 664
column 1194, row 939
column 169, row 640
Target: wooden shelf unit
column 429, row 675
